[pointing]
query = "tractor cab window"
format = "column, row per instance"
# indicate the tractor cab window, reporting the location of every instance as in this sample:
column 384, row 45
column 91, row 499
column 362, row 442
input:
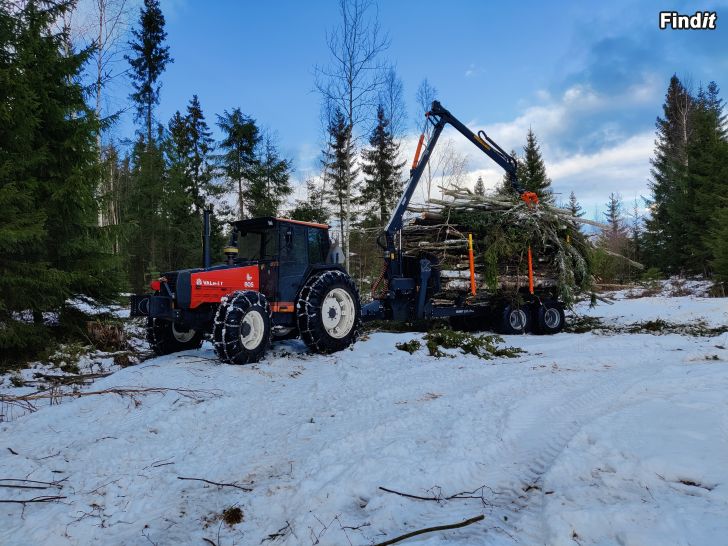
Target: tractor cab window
column 293, row 244
column 316, row 246
column 257, row 245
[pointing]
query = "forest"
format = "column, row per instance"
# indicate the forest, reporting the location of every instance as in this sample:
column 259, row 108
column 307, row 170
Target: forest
column 91, row 216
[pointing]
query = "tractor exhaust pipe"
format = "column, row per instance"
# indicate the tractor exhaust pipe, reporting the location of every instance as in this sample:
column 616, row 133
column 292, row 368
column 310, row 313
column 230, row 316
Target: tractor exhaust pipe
column 206, row 261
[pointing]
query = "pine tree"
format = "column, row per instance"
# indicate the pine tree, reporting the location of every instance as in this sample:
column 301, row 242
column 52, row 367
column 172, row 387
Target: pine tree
column 479, row 188
column 382, row 173
column 269, row 181
column 533, row 169
column 239, row 143
column 339, row 171
column 148, row 61
column 50, row 245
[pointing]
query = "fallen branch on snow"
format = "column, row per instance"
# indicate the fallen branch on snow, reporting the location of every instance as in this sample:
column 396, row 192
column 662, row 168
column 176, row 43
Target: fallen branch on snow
column 216, row 483
column 439, row 498
column 432, row 530
column 22, row 483
column 25, row 401
column 34, row 499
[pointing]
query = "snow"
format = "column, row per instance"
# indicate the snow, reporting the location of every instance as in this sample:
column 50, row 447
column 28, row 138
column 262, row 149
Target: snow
column 684, row 309
column 585, row 439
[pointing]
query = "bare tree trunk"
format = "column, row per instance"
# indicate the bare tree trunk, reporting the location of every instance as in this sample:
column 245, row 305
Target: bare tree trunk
column 353, row 79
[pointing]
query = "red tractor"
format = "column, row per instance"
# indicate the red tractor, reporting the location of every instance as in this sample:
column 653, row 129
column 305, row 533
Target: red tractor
column 279, row 281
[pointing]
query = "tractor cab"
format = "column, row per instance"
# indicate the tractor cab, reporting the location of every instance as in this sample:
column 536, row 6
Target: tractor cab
column 261, row 239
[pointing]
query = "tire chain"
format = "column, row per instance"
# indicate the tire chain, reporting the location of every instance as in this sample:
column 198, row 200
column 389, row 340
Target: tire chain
column 306, row 310
column 241, row 301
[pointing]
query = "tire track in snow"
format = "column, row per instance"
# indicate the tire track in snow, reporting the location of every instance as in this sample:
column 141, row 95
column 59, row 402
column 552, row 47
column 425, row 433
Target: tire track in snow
column 537, row 446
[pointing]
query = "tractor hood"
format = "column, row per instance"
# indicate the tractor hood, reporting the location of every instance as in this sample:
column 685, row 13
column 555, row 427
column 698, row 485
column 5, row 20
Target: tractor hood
column 194, row 287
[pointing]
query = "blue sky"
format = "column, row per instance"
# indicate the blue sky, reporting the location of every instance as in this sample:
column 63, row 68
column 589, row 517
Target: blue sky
column 588, row 77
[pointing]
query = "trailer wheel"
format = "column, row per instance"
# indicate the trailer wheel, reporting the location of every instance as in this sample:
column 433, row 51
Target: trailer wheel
column 165, row 337
column 328, row 312
column 242, row 329
column 514, row 320
column 550, row 318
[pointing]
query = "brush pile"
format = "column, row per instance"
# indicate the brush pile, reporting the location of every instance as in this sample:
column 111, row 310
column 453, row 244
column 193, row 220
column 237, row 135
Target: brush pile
column 503, row 229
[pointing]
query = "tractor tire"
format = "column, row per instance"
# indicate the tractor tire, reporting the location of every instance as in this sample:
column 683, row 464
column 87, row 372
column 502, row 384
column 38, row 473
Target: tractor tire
column 515, row 319
column 164, row 338
column 549, row 318
column 328, row 312
column 242, row 329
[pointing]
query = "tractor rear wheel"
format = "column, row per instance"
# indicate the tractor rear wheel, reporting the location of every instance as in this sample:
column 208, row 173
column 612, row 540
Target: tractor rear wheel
column 165, row 337
column 242, row 329
column 328, row 312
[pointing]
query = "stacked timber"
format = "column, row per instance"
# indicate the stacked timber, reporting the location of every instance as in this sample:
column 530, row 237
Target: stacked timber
column 503, row 229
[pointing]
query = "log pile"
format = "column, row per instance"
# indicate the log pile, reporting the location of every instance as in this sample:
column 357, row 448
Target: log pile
column 503, row 229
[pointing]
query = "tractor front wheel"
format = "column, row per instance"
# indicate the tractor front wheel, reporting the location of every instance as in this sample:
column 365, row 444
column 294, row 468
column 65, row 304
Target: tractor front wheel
column 328, row 312
column 242, row 329
column 165, row 337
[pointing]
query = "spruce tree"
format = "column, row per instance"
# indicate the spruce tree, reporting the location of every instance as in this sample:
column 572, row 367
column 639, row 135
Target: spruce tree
column 707, row 177
column 50, row 245
column 533, row 169
column 665, row 229
column 479, row 188
column 718, row 243
column 615, row 217
column 505, row 188
column 313, row 208
column 148, row 61
column 635, row 234
column 239, row 144
column 382, row 185
column 181, row 205
column 339, row 172
column 201, row 143
column 145, row 244
column 269, row 184
column 689, row 169
column 574, row 207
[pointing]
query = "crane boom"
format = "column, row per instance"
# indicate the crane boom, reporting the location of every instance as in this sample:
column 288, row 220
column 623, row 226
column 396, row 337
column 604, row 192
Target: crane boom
column 439, row 117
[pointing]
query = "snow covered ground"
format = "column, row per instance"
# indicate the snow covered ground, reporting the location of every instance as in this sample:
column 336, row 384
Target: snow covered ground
column 585, row 439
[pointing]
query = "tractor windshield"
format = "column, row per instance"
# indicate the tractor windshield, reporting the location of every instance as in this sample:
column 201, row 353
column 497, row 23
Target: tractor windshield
column 257, row 245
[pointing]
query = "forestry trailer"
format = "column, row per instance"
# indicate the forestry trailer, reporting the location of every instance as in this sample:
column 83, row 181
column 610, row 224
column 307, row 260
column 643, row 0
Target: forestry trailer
column 280, row 281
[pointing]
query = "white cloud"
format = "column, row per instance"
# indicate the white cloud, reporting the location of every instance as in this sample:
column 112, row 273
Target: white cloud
column 618, row 163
